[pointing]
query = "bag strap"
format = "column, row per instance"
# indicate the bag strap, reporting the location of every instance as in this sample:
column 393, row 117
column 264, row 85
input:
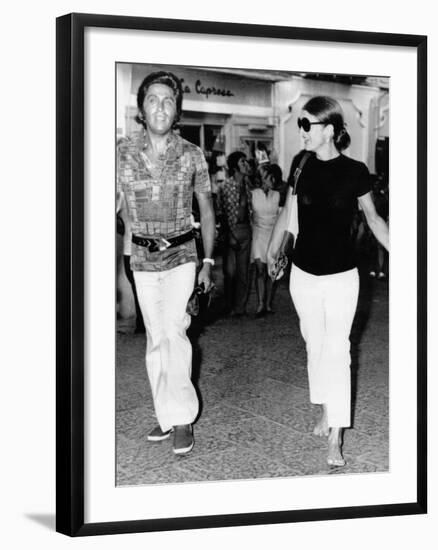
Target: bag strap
column 298, row 171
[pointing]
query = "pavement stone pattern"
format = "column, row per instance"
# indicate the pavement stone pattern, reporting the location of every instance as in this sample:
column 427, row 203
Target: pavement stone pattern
column 255, row 420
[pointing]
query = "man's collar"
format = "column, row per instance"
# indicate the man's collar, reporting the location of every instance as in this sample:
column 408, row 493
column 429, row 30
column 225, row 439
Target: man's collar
column 174, row 145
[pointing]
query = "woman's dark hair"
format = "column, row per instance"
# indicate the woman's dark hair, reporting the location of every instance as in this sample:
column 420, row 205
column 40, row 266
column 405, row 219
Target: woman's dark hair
column 161, row 77
column 328, row 111
column 232, row 161
column 275, row 172
column 277, row 175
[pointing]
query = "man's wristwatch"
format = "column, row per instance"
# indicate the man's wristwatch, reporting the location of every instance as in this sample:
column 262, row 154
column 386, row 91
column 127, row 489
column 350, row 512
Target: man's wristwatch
column 208, row 261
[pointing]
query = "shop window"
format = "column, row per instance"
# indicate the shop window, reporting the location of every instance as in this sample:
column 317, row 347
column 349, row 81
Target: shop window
column 249, row 145
column 192, row 133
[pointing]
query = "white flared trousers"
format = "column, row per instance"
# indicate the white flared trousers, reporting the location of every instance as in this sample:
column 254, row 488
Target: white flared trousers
column 326, row 305
column 163, row 298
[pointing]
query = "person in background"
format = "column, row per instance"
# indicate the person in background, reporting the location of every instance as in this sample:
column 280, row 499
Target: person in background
column 234, row 216
column 324, row 280
column 280, row 185
column 219, row 180
column 218, row 172
column 123, row 268
column 158, row 173
column 261, row 154
column 124, row 231
column 265, row 206
column 379, row 256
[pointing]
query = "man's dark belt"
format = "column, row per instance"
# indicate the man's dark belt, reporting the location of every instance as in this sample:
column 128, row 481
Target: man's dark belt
column 155, row 244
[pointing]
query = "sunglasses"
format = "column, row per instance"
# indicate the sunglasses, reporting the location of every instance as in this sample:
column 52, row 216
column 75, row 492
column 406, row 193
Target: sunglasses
column 305, row 124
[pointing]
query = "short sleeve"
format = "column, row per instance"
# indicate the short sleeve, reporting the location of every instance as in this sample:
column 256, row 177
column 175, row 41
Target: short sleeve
column 201, row 177
column 363, row 180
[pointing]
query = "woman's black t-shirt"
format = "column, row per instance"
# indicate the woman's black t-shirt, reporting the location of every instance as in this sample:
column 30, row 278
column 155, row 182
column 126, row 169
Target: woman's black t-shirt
column 327, row 201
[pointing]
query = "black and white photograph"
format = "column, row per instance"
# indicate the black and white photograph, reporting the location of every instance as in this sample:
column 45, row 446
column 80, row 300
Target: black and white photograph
column 252, row 268
column 219, row 298
column 243, row 332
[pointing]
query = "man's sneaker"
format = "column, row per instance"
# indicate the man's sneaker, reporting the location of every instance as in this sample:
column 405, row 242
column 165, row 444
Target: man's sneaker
column 183, row 439
column 157, row 434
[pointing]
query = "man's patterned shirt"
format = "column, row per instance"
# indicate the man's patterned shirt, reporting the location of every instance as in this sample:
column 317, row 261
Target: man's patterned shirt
column 159, row 198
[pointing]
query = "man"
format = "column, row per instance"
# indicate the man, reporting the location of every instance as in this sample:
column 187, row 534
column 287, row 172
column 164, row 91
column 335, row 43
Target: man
column 158, row 174
column 234, row 213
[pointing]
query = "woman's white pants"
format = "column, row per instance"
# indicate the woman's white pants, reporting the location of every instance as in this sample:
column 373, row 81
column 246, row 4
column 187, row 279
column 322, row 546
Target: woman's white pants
column 163, row 297
column 326, row 305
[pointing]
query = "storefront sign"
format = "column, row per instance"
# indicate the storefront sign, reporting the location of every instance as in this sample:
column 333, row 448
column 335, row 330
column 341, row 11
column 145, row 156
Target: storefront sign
column 206, row 91
column 210, row 86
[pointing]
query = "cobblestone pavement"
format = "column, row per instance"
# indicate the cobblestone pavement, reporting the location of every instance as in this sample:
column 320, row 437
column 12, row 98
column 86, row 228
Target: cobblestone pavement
column 256, row 419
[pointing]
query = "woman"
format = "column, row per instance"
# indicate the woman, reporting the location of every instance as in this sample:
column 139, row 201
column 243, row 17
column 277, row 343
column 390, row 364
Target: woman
column 324, row 282
column 265, row 203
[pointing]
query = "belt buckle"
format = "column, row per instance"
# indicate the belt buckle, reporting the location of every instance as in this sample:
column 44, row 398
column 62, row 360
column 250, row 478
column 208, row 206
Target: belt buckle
column 165, row 244
column 159, row 244
column 155, row 245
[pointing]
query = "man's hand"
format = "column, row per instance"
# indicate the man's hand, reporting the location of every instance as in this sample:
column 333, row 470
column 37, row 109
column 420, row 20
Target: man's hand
column 204, row 277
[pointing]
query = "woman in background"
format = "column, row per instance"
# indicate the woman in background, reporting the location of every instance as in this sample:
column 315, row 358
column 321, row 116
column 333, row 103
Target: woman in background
column 265, row 203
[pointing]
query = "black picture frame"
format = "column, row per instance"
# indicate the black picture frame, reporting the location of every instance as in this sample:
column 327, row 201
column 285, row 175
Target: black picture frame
column 70, row 273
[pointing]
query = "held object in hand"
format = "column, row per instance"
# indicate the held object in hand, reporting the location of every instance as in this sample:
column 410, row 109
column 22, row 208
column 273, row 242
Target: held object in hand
column 280, row 264
column 193, row 303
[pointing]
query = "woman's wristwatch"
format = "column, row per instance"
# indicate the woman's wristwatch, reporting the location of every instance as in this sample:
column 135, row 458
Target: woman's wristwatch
column 208, row 261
